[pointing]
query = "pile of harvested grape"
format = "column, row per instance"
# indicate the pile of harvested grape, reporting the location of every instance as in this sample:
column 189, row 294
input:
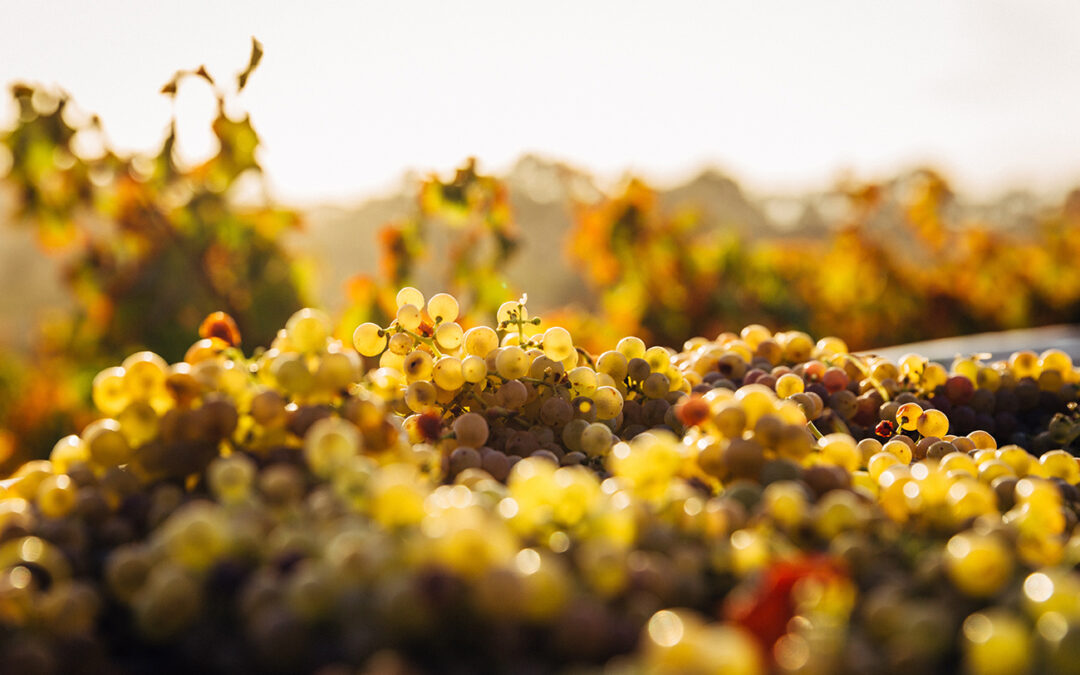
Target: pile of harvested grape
column 496, row 499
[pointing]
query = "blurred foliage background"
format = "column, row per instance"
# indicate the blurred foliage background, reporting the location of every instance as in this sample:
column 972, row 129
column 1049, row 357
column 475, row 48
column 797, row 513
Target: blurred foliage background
column 146, row 248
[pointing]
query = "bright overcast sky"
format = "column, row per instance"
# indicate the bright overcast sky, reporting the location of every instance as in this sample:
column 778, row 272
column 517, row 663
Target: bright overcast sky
column 784, row 96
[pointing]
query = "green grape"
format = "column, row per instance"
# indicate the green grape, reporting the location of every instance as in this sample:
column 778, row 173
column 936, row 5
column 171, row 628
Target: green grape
column 421, row 396
column 754, row 334
column 292, row 374
column 448, row 336
column 168, row 603
column 106, row 444
column 447, row 373
column 126, row 570
column 612, row 363
column 474, row 369
column 557, row 343
column 56, row 496
column 907, row 416
column 337, row 370
column 596, row 440
column 978, row 564
column 329, row 444
column 573, row 431
column 631, row 347
column 369, row 339
column 996, row 642
column 409, row 317
column 932, row 423
column 231, row 478
column 410, row 296
column 1055, row 360
column 481, row 341
column 658, row 358
column 401, row 343
column 69, row 451
column 138, row 422
column 389, row 359
column 144, row 375
column 471, row 429
column 789, row 384
column 511, row 311
column 512, row 363
column 196, row 535
column 110, row 394
column 583, row 380
column 308, row 330
column 418, row 365
column 609, row 403
column 443, row 307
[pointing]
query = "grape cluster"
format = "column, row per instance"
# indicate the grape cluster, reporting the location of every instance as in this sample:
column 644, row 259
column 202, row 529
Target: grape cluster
column 447, row 497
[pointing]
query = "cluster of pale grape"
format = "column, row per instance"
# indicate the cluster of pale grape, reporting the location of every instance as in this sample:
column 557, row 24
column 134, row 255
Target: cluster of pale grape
column 436, row 498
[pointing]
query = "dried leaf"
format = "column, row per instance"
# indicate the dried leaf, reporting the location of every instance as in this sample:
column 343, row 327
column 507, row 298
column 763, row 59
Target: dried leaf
column 256, row 56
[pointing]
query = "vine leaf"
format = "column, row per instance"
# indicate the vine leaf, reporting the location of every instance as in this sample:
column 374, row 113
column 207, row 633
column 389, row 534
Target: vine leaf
column 256, row 56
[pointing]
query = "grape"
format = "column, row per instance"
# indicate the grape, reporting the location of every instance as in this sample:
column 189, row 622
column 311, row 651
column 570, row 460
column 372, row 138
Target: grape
column 447, row 374
column 408, row 317
column 443, row 307
column 449, row 336
column 418, row 365
column 556, row 412
column 754, row 334
column 330, row 444
column 401, row 343
column 996, row 643
column 144, row 375
column 481, row 341
column 109, row 391
column 978, row 564
column 56, row 496
column 471, row 429
column 510, row 312
column 308, row 330
column 231, row 478
column 513, row 394
column 557, row 343
column 369, row 339
column 512, row 363
column 656, row 385
column 583, row 380
column 69, row 451
column 410, row 296
column 907, row 416
column 788, row 385
column 609, row 403
column 308, row 514
column 613, row 363
column 638, row 369
column 595, row 440
column 932, row 423
column 658, row 358
column 631, row 347
column 107, row 446
column 463, row 458
column 473, row 369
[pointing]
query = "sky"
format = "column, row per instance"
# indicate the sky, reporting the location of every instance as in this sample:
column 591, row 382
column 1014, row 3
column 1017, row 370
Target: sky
column 784, row 96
